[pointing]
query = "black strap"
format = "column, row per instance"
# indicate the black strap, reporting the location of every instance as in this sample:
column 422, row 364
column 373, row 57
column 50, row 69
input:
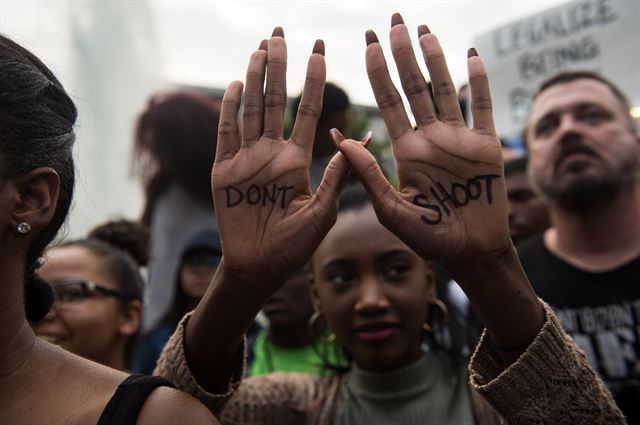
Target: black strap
column 126, row 404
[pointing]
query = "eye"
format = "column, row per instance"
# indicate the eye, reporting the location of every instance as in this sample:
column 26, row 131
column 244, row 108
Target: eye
column 341, row 277
column 592, row 115
column 71, row 293
column 397, row 271
column 545, row 126
column 521, row 195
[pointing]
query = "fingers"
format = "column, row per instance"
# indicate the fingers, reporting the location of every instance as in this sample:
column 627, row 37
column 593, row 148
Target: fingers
column 228, row 131
column 413, row 83
column 333, row 179
column 481, row 106
column 253, row 115
column 367, row 168
column 304, row 130
column 443, row 88
column 275, row 96
column 387, row 97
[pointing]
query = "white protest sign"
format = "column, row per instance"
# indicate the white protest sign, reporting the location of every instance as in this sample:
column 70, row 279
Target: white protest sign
column 598, row 35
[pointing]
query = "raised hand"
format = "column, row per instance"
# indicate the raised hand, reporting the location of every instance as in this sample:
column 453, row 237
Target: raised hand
column 451, row 202
column 270, row 223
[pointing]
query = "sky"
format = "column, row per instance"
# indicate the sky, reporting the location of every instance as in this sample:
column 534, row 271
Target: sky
column 209, row 42
column 112, row 55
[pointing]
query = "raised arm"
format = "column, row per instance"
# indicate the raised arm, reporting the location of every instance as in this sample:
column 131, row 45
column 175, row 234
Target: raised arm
column 451, row 201
column 270, row 223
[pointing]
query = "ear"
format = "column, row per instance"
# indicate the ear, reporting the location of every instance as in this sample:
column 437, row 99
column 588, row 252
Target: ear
column 38, row 192
column 131, row 318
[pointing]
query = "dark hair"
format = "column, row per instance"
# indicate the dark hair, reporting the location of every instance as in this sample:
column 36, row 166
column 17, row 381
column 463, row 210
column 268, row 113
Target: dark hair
column 122, row 268
column 450, row 335
column 130, row 236
column 175, row 142
column 334, row 100
column 518, row 165
column 117, row 264
column 569, row 76
column 37, row 118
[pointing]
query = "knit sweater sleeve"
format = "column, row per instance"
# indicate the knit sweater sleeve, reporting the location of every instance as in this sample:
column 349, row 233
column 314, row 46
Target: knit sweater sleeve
column 550, row 383
column 172, row 365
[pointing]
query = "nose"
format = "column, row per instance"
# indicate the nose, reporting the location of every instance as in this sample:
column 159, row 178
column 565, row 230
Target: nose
column 372, row 299
column 569, row 128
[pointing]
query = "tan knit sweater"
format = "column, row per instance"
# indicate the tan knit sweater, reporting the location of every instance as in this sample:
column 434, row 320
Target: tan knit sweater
column 551, row 383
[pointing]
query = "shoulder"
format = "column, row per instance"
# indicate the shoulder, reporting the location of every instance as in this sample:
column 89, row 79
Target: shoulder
column 169, row 406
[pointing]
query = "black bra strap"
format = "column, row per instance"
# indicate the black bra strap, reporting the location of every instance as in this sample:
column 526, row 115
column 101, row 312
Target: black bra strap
column 126, row 404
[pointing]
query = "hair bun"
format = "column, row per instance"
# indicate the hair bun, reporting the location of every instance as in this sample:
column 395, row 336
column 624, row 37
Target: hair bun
column 129, row 236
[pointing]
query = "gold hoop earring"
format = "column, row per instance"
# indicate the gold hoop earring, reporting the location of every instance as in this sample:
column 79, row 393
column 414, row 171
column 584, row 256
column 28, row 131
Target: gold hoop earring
column 311, row 329
column 445, row 314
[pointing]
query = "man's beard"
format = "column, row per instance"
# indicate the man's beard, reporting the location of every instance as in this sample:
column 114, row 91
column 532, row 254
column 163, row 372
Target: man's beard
column 583, row 193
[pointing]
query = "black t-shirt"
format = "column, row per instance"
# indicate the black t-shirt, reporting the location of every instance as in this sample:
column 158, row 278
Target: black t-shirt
column 601, row 311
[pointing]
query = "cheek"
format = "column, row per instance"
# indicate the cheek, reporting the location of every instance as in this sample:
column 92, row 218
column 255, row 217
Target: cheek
column 337, row 309
column 539, row 156
column 93, row 322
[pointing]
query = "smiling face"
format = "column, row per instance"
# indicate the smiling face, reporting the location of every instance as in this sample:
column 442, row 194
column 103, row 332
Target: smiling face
column 373, row 291
column 93, row 328
column 582, row 146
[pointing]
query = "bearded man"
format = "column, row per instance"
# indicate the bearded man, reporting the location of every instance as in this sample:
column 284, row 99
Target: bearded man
column 584, row 158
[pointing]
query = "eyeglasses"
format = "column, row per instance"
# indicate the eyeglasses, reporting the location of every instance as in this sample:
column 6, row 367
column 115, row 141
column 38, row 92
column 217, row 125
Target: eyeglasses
column 76, row 291
column 207, row 260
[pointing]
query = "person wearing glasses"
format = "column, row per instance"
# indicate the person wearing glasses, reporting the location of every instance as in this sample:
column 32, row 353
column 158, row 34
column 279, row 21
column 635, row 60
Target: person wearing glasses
column 41, row 383
column 199, row 259
column 97, row 311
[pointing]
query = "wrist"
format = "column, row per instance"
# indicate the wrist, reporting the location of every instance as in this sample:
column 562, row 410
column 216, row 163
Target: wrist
column 254, row 280
column 500, row 261
column 502, row 296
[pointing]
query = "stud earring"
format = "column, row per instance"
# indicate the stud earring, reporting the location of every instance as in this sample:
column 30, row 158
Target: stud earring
column 23, row 228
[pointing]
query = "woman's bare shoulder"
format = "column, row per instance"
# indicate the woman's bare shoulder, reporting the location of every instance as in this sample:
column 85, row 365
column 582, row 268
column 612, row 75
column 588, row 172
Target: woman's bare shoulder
column 170, row 406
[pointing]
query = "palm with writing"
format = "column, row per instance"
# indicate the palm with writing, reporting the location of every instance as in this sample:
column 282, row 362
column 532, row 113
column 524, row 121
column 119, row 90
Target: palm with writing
column 270, row 223
column 451, row 201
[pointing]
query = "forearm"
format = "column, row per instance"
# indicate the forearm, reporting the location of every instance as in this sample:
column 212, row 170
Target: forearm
column 503, row 298
column 215, row 331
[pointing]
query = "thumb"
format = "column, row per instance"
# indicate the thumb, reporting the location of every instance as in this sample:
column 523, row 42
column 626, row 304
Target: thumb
column 366, row 166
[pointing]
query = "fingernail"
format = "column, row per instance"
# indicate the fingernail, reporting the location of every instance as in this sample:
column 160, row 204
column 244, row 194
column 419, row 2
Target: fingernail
column 366, row 139
column 336, row 137
column 263, row 45
column 472, row 52
column 370, row 37
column 318, row 47
column 277, row 32
column 396, row 19
column 422, row 30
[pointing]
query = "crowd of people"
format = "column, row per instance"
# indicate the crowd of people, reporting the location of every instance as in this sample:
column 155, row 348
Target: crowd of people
column 277, row 280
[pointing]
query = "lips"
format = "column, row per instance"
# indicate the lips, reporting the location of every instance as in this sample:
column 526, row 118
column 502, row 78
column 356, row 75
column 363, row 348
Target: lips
column 375, row 332
column 573, row 152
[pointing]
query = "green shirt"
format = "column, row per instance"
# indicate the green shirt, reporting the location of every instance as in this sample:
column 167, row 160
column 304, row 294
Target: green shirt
column 268, row 357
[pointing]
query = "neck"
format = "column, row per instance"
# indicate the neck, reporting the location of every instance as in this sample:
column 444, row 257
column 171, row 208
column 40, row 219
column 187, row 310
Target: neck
column 600, row 239
column 289, row 337
column 17, row 340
